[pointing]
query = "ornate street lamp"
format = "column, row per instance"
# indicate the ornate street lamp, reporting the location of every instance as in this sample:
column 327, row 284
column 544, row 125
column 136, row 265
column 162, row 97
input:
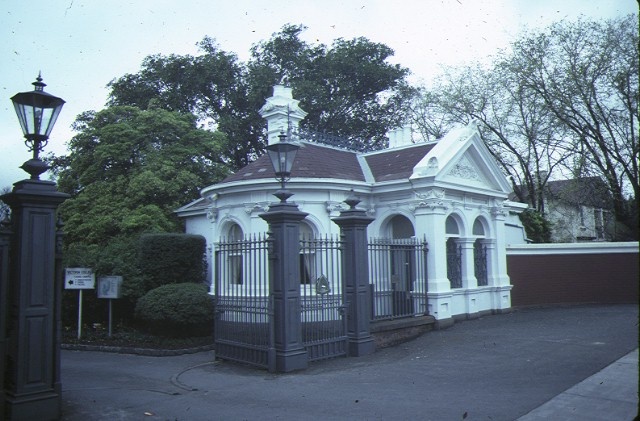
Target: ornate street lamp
column 284, row 218
column 282, row 155
column 30, row 281
column 37, row 112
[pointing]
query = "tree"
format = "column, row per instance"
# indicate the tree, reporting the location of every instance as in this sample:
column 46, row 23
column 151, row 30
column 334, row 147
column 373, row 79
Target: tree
column 127, row 171
column 348, row 89
column 212, row 86
column 586, row 72
column 563, row 100
column 522, row 135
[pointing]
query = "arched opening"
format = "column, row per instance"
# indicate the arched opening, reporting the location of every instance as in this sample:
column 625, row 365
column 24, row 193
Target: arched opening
column 234, row 265
column 307, row 254
column 402, row 264
column 480, row 253
column 454, row 253
column 401, row 227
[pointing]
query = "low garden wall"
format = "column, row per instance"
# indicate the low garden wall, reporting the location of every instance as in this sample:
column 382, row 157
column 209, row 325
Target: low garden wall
column 573, row 273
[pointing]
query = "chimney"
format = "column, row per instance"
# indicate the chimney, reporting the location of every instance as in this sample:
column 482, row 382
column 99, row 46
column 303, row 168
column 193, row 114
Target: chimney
column 400, row 136
column 282, row 112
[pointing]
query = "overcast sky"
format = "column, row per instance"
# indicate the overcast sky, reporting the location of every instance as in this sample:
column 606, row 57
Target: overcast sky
column 81, row 45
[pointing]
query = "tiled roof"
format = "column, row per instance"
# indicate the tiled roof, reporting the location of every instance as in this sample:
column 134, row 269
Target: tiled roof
column 397, row 164
column 312, row 161
column 586, row 191
column 320, row 161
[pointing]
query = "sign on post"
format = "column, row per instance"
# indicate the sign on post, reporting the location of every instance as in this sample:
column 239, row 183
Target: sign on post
column 110, row 287
column 79, row 278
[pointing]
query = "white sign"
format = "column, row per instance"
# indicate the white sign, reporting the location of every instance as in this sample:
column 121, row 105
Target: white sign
column 79, row 278
column 109, row 287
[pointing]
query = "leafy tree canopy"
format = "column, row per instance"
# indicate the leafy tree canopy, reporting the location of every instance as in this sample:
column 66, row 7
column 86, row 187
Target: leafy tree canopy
column 349, row 89
column 129, row 169
column 563, row 102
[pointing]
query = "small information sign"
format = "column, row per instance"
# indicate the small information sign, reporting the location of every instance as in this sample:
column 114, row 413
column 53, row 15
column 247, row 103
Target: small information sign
column 110, row 287
column 79, row 278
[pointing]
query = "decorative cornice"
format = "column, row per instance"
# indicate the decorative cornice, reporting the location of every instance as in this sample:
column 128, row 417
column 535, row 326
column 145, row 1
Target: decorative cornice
column 432, row 199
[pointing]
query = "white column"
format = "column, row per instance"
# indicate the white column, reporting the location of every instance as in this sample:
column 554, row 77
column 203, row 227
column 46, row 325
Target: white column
column 500, row 280
column 469, row 280
column 430, row 223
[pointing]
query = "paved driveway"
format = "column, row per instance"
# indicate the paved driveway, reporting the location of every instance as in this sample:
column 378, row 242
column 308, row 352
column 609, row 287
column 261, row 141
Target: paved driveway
column 497, row 367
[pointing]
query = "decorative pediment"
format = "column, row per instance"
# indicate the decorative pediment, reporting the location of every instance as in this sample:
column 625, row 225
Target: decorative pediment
column 462, row 159
column 466, row 170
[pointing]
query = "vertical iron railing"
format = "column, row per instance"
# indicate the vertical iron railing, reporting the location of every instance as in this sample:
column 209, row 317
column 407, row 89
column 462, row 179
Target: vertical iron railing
column 398, row 274
column 243, row 326
column 322, row 298
column 480, row 263
column 454, row 263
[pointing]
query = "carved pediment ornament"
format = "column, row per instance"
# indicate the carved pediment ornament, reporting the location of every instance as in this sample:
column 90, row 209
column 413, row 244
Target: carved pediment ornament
column 466, row 170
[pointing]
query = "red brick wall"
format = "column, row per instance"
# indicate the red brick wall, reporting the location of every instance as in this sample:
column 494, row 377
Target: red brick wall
column 573, row 278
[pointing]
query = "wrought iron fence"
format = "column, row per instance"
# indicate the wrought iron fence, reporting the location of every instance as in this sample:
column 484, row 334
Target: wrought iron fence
column 480, row 263
column 398, row 274
column 322, row 298
column 244, row 325
column 454, row 263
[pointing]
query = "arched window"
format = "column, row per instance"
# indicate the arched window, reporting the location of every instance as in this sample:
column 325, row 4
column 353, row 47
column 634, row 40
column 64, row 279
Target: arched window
column 451, row 226
column 234, row 266
column 307, row 254
column 478, row 228
column 401, row 227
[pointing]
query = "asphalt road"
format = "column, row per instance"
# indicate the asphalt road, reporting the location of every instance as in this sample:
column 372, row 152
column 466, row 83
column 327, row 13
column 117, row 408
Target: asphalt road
column 498, row 367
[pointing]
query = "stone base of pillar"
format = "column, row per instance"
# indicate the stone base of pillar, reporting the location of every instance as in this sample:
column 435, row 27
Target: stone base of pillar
column 440, row 304
column 291, row 360
column 502, row 297
column 38, row 406
column 361, row 346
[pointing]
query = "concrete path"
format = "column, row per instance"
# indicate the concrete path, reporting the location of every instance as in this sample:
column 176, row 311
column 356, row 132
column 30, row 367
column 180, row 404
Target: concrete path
column 557, row 363
column 611, row 393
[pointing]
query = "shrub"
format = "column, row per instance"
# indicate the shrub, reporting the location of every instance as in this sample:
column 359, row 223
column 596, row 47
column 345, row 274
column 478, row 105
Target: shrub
column 177, row 310
column 537, row 227
column 171, row 258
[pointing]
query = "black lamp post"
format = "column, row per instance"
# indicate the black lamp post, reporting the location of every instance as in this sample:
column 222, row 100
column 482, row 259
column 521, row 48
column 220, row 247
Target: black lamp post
column 31, row 313
column 284, row 264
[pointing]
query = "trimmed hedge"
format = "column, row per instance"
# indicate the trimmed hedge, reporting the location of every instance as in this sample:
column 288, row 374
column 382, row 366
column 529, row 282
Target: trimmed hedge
column 177, row 310
column 171, row 258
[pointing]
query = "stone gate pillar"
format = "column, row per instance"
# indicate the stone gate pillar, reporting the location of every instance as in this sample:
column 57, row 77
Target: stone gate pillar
column 355, row 274
column 284, row 284
column 32, row 382
column 5, row 238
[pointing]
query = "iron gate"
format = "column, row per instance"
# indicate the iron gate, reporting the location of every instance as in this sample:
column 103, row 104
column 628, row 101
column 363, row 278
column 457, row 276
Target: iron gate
column 398, row 274
column 244, row 329
column 324, row 331
column 244, row 323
